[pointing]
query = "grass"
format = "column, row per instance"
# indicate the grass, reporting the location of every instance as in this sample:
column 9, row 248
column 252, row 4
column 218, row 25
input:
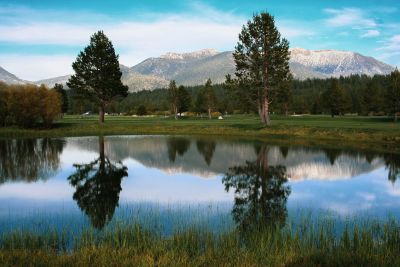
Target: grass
column 381, row 132
column 361, row 243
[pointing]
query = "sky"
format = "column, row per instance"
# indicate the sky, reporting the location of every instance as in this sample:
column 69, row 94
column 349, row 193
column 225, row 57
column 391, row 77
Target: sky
column 41, row 39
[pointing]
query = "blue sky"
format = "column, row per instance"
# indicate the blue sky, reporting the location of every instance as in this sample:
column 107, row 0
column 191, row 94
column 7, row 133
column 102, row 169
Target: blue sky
column 40, row 39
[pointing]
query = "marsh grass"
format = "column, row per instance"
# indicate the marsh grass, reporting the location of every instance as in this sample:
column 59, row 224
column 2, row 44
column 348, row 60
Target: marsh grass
column 308, row 241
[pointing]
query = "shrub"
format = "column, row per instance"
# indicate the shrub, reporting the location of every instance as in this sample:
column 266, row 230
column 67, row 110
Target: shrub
column 141, row 111
column 28, row 105
column 215, row 114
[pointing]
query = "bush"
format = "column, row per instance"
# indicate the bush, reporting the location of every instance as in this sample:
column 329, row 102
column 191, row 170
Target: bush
column 141, row 111
column 28, row 105
column 215, row 114
column 162, row 113
column 190, row 114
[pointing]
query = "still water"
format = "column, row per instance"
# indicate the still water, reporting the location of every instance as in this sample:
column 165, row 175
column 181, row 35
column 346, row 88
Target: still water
column 97, row 180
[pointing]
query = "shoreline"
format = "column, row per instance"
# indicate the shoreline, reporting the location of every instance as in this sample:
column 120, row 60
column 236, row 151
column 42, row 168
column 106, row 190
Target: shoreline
column 385, row 139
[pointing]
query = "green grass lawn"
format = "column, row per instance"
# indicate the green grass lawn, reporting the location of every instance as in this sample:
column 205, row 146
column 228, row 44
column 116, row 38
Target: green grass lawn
column 367, row 131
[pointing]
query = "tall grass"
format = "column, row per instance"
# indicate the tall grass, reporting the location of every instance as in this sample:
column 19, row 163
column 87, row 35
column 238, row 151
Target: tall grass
column 321, row 242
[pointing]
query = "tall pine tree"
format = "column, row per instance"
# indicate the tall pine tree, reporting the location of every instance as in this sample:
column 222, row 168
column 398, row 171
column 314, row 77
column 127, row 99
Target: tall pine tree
column 97, row 73
column 262, row 61
column 335, row 99
column 209, row 97
column 173, row 97
column 184, row 99
column 59, row 88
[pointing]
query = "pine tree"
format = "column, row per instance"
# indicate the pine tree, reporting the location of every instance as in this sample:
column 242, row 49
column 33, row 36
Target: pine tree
column 262, row 61
column 184, row 99
column 284, row 97
column 97, row 73
column 393, row 94
column 370, row 98
column 335, row 98
column 209, row 97
column 59, row 88
column 173, row 97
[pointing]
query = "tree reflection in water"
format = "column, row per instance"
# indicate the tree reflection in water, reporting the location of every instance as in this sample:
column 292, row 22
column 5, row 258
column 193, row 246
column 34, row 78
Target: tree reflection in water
column 206, row 148
column 177, row 145
column 260, row 193
column 392, row 162
column 98, row 185
column 29, row 159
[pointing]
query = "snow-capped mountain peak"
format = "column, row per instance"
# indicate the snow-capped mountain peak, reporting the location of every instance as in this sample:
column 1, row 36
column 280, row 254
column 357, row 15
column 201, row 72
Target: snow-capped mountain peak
column 337, row 63
column 192, row 55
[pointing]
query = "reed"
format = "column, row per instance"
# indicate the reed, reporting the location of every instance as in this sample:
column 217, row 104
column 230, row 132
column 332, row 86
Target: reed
column 306, row 242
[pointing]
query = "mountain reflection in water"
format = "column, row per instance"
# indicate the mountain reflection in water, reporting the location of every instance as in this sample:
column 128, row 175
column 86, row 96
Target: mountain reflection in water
column 260, row 180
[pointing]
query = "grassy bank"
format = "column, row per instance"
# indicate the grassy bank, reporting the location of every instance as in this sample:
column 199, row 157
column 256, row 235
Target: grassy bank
column 359, row 131
column 360, row 244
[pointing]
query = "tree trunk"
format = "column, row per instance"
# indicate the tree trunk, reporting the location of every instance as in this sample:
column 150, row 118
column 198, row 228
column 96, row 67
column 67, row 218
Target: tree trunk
column 102, row 156
column 263, row 111
column 101, row 147
column 176, row 112
column 101, row 114
column 209, row 113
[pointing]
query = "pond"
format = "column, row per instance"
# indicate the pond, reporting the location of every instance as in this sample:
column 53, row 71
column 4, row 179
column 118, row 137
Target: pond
column 178, row 180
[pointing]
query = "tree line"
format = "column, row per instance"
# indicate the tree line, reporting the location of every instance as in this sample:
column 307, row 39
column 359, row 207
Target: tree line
column 356, row 94
column 28, row 105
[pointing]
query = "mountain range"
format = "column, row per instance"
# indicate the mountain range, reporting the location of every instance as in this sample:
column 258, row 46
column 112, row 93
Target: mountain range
column 196, row 67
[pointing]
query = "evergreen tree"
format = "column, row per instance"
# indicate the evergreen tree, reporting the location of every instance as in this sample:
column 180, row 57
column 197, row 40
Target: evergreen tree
column 393, row 94
column 370, row 98
column 184, row 99
column 335, row 98
column 141, row 111
column 284, row 97
column 209, row 97
column 173, row 97
column 59, row 88
column 97, row 73
column 262, row 61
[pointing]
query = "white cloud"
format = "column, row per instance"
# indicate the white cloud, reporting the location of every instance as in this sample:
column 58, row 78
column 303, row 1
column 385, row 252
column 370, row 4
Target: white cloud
column 352, row 17
column 390, row 50
column 37, row 67
column 392, row 44
column 371, row 33
column 135, row 40
column 289, row 31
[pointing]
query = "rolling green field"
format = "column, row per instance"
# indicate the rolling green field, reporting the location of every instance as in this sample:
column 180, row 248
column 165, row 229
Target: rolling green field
column 379, row 131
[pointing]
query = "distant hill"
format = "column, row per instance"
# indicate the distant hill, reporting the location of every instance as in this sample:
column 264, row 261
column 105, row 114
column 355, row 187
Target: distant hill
column 332, row 63
column 10, row 78
column 196, row 67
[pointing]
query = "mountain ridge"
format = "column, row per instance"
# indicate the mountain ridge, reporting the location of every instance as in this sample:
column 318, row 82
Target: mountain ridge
column 196, row 67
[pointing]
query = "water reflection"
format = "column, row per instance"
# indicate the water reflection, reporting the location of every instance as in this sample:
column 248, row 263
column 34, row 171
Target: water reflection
column 392, row 163
column 98, row 185
column 332, row 154
column 29, row 159
column 177, row 145
column 206, row 148
column 187, row 169
column 260, row 191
